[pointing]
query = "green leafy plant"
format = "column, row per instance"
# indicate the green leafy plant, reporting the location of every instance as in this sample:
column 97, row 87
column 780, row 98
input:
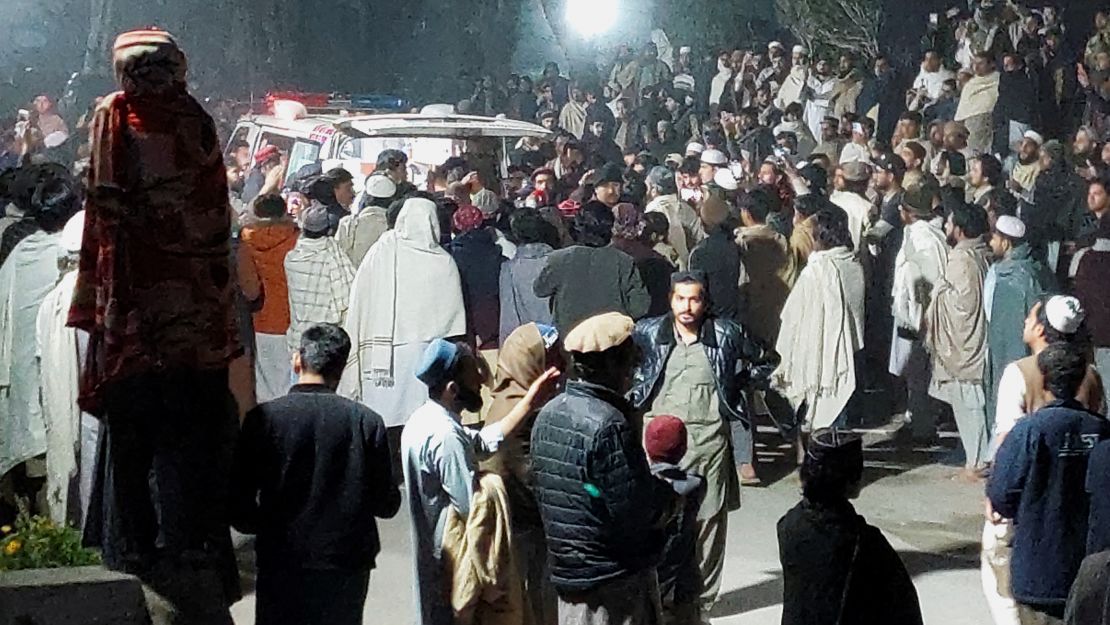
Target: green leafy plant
column 36, row 542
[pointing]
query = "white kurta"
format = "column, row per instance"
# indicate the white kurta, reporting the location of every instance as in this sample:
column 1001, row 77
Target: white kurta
column 933, row 82
column 440, row 461
column 26, row 278
column 820, row 100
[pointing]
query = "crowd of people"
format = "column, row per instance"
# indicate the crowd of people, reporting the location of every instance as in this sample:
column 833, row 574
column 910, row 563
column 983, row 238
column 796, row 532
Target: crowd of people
column 560, row 373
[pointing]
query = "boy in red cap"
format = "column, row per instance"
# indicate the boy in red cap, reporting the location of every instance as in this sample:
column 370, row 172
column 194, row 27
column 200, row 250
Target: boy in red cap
column 680, row 583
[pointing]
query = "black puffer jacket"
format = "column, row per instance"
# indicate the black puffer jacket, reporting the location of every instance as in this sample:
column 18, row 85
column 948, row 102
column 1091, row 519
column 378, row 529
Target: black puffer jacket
column 740, row 362
column 600, row 505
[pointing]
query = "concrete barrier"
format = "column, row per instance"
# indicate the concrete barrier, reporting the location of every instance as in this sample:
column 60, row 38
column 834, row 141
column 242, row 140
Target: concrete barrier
column 90, row 595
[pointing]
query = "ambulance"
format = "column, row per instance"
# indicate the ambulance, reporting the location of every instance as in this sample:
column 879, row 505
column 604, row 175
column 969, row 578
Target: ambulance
column 353, row 140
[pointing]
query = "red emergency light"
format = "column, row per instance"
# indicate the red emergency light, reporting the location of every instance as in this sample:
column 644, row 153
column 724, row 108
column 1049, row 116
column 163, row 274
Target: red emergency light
column 309, row 100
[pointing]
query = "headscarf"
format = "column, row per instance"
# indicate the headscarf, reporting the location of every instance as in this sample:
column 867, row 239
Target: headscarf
column 408, row 260
column 629, row 222
column 522, row 360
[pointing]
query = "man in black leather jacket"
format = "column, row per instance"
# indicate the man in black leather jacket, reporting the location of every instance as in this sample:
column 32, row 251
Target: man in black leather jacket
column 698, row 367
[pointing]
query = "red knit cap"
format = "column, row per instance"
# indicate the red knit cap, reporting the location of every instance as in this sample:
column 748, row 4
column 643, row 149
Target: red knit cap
column 665, row 439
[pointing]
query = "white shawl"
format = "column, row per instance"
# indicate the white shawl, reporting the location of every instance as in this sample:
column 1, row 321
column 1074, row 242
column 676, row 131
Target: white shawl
column 26, row 278
column 57, row 350
column 858, row 210
column 822, row 329
column 573, row 118
column 979, row 97
column 919, row 265
column 719, row 82
column 792, row 89
column 407, row 290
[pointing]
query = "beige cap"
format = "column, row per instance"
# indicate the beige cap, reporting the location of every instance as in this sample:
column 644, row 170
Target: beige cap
column 599, row 333
column 856, row 171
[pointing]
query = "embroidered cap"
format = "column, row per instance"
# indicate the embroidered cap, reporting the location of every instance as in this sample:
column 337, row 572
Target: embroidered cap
column 1064, row 313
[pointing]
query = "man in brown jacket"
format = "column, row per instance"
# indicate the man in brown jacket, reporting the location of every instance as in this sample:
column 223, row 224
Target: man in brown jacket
column 766, row 278
column 956, row 330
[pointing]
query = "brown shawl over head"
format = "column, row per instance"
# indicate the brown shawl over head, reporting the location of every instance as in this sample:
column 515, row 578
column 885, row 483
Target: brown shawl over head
column 522, row 359
column 154, row 286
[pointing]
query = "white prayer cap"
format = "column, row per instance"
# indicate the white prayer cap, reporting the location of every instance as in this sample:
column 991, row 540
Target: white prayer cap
column 54, row 139
column 716, row 158
column 857, row 128
column 799, row 49
column 380, row 186
column 1010, row 226
column 694, row 148
column 1064, row 313
column 684, row 50
column 724, row 179
column 774, row 44
column 1034, row 136
column 73, row 232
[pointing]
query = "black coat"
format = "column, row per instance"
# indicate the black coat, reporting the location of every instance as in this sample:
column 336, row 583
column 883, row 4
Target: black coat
column 312, row 471
column 600, row 505
column 718, row 257
column 585, row 281
column 479, row 260
column 759, row 143
column 1089, row 600
column 837, row 569
column 679, row 577
column 740, row 361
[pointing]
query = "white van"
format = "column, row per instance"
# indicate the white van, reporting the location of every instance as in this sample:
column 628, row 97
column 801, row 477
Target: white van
column 354, row 141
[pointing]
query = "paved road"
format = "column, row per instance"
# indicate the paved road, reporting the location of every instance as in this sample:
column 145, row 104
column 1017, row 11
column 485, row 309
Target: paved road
column 933, row 520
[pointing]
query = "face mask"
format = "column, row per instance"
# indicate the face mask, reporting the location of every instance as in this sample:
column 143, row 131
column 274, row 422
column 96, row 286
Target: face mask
column 470, row 399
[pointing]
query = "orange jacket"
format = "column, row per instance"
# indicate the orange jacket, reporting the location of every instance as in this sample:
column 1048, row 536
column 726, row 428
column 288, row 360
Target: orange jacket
column 267, row 243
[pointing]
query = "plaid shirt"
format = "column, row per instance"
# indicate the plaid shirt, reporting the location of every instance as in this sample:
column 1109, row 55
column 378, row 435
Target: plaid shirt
column 319, row 275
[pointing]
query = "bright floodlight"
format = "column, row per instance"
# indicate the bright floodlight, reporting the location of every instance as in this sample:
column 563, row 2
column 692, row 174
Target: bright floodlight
column 591, row 17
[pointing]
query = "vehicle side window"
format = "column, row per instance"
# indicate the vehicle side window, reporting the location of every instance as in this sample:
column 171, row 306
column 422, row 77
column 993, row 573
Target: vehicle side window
column 350, row 149
column 283, row 143
column 302, row 153
column 241, row 135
